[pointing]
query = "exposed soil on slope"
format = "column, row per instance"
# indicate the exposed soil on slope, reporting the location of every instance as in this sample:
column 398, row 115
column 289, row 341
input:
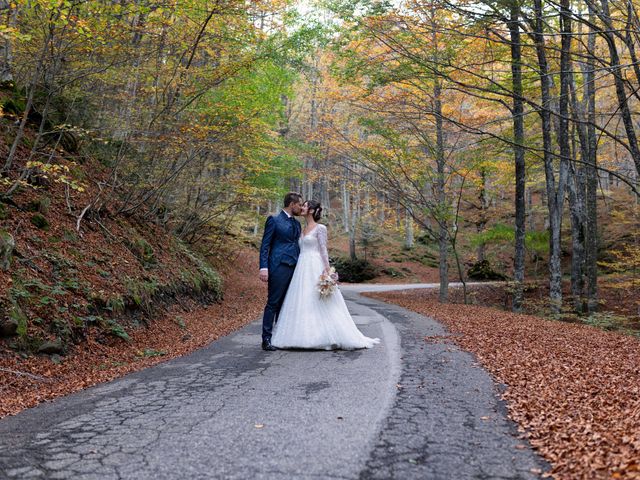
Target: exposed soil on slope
column 116, row 295
column 27, row 381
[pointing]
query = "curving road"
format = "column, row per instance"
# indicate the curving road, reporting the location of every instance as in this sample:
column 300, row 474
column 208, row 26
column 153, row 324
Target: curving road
column 405, row 409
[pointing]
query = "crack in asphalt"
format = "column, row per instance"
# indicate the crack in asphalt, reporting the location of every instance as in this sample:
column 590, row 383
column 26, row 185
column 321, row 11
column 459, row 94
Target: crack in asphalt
column 229, row 410
column 448, row 420
column 402, row 410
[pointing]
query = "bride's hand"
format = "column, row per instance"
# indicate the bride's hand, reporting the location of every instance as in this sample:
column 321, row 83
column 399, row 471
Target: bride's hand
column 332, row 275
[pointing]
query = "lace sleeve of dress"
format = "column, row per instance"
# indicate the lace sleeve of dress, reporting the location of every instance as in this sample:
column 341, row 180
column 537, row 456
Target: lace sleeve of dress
column 322, row 242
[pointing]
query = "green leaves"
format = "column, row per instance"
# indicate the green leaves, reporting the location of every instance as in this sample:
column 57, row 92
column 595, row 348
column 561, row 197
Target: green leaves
column 536, row 241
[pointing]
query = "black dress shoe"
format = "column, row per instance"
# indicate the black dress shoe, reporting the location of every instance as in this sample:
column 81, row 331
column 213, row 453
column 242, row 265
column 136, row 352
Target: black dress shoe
column 266, row 345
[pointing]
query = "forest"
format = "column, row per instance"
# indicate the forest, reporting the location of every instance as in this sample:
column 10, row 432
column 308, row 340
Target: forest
column 490, row 147
column 499, row 134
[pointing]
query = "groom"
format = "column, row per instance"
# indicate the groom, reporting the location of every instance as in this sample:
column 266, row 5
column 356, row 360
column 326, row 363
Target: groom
column 278, row 257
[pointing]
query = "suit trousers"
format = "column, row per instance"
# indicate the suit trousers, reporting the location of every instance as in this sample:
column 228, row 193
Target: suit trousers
column 279, row 280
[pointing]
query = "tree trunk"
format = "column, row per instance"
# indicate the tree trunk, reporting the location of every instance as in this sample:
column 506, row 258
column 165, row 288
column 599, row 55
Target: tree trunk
column 352, row 227
column 443, row 231
column 565, row 152
column 518, row 152
column 575, row 184
column 582, row 188
column 23, row 121
column 481, row 224
column 530, row 219
column 621, row 94
column 307, row 187
column 441, row 197
column 555, row 195
column 6, row 49
column 310, row 179
column 591, row 173
column 408, row 230
column 381, row 206
column 577, row 209
column 256, row 225
column 346, row 218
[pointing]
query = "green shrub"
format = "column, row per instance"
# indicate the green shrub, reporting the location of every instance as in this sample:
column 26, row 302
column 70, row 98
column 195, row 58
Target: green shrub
column 14, row 106
column 535, row 241
column 46, row 300
column 354, row 271
column 211, row 280
column 392, row 272
column 18, row 316
column 483, row 271
column 107, row 152
column 117, row 330
column 88, row 320
column 141, row 292
column 151, row 352
column 398, row 257
column 72, row 284
column 192, row 281
column 115, row 304
column 40, row 205
column 60, row 327
column 608, row 321
column 428, row 259
column 143, row 252
column 70, row 235
column 425, row 239
column 40, row 222
column 178, row 320
column 206, row 279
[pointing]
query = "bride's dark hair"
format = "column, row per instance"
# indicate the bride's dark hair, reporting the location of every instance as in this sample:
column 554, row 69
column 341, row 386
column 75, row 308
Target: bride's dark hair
column 316, row 207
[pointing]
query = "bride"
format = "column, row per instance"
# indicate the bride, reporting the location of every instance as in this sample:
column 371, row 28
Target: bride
column 306, row 320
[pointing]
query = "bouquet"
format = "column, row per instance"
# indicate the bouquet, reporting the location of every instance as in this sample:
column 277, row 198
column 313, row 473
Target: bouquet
column 327, row 283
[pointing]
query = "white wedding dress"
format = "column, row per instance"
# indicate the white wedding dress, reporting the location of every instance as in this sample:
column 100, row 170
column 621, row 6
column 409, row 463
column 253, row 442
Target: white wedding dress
column 308, row 321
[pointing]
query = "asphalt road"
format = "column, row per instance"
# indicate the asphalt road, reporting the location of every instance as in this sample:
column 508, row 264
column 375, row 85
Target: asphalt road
column 404, row 409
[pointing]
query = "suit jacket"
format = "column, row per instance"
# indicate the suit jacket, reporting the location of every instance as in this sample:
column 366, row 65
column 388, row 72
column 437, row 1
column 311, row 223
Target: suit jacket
column 280, row 241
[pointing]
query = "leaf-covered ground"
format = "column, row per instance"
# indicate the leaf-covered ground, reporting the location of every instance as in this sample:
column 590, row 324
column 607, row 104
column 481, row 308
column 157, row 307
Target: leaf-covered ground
column 119, row 276
column 574, row 389
column 619, row 300
column 25, row 382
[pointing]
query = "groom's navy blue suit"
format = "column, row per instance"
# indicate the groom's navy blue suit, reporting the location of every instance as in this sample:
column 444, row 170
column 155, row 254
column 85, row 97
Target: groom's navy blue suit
column 279, row 253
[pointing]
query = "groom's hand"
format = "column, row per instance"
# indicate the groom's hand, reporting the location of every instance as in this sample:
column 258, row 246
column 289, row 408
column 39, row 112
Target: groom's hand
column 264, row 275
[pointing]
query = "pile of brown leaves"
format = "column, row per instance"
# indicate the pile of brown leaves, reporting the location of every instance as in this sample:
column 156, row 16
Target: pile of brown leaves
column 574, row 389
column 25, row 382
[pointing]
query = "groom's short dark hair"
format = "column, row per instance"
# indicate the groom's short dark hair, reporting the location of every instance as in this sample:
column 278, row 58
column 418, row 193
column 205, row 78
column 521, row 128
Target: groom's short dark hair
column 291, row 197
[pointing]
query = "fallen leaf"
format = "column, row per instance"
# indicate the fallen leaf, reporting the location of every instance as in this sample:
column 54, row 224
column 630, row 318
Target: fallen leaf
column 571, row 388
